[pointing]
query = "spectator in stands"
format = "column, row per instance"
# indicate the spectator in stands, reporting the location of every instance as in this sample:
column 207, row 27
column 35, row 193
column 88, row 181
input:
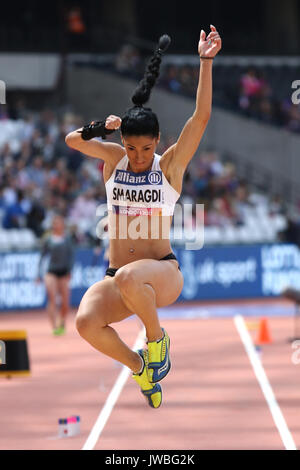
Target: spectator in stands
column 250, row 90
column 188, row 185
column 128, row 61
column 201, row 179
column 276, row 205
column 36, row 172
column 2, row 204
column 186, row 81
column 215, row 215
column 222, row 211
column 293, row 118
column 216, row 167
column 61, row 152
column 61, row 180
column 83, row 212
column 171, row 80
column 14, row 216
column 241, row 202
column 35, row 218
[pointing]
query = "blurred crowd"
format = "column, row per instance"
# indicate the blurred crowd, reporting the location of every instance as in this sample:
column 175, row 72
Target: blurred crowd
column 129, row 61
column 250, row 93
column 40, row 175
column 257, row 98
column 227, row 198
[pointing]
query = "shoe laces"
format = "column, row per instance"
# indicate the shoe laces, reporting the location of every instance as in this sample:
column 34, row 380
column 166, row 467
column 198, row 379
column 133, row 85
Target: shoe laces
column 146, row 359
column 164, row 346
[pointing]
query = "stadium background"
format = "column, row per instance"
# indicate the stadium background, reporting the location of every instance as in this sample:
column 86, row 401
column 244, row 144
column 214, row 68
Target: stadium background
column 81, row 62
column 76, row 61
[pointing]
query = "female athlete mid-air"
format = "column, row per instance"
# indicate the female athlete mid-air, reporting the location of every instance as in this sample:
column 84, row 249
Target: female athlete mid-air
column 142, row 189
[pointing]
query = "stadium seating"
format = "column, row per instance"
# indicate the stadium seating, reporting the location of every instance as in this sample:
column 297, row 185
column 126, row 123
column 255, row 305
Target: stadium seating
column 17, row 239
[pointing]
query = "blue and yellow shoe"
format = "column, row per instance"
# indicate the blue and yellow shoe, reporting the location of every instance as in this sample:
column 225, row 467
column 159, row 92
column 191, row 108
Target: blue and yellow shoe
column 159, row 358
column 153, row 393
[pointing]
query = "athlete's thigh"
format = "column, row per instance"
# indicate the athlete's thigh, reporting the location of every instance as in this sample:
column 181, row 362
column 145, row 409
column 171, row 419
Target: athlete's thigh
column 163, row 276
column 51, row 285
column 103, row 302
column 63, row 288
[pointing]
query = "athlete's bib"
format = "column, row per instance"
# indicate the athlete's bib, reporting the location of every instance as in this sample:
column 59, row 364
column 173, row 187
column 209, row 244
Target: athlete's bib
column 146, row 193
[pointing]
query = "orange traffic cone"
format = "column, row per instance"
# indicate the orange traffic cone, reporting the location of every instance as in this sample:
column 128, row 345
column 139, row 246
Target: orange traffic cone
column 263, row 335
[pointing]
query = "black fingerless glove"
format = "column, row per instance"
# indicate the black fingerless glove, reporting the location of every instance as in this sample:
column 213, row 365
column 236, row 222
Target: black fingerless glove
column 95, row 129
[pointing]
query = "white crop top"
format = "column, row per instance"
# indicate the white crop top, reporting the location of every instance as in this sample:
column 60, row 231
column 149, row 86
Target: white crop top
column 146, row 193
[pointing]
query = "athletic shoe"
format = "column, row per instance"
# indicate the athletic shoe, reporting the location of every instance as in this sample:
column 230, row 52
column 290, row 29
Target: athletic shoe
column 153, row 393
column 159, row 358
column 59, row 331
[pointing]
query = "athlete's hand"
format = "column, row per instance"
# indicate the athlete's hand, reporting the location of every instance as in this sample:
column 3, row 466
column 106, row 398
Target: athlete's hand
column 209, row 46
column 113, row 122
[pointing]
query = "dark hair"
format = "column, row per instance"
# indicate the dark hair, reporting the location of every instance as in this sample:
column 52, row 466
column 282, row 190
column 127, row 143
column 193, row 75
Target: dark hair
column 139, row 120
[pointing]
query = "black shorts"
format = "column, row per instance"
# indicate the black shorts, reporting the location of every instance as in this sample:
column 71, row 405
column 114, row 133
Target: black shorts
column 59, row 272
column 112, row 271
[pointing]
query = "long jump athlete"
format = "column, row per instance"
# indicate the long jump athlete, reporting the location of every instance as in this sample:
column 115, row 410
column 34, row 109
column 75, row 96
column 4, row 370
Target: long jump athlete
column 142, row 188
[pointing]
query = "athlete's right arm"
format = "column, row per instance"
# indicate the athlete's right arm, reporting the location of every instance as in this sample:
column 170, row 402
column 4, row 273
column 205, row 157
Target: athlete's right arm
column 110, row 152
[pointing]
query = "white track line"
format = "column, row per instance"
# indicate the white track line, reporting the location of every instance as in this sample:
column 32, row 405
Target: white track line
column 263, row 381
column 111, row 399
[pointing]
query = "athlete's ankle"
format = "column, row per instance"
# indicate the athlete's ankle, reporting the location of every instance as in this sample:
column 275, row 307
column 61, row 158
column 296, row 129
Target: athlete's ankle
column 155, row 337
column 140, row 368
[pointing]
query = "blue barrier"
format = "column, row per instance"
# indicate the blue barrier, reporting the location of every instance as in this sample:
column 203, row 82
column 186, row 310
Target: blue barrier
column 232, row 272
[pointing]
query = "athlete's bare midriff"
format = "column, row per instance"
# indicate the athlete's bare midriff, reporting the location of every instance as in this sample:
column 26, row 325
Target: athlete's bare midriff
column 123, row 248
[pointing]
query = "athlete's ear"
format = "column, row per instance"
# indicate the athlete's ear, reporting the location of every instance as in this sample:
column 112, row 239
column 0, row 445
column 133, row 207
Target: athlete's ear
column 158, row 139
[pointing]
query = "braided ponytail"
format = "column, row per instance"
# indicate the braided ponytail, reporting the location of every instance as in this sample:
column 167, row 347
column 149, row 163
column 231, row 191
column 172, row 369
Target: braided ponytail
column 139, row 120
column 142, row 93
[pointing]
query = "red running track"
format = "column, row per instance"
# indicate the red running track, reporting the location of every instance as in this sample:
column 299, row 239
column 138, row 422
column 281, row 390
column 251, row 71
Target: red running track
column 211, row 397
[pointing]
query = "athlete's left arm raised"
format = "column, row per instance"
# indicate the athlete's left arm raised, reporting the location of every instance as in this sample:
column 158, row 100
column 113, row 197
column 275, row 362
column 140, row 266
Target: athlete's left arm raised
column 185, row 147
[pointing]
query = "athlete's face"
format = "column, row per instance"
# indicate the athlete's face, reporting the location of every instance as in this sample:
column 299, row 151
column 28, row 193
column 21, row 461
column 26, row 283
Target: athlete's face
column 140, row 151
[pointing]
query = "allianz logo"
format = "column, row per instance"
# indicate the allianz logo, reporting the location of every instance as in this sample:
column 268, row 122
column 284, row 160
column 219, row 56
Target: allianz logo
column 127, row 177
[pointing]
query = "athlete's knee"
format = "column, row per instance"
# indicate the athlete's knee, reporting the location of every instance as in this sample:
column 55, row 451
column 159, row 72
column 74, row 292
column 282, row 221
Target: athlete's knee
column 65, row 302
column 89, row 316
column 127, row 280
column 51, row 300
column 82, row 323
